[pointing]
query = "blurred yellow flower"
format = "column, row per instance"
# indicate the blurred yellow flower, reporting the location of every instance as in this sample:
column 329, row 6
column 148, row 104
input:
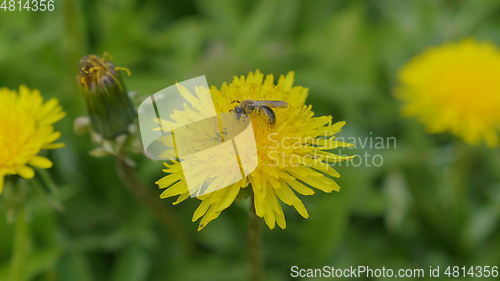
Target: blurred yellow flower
column 456, row 88
column 292, row 153
column 26, row 127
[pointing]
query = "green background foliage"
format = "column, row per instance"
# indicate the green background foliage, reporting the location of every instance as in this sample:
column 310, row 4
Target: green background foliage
column 434, row 201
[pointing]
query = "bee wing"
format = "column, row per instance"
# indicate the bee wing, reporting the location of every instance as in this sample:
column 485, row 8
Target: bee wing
column 273, row 103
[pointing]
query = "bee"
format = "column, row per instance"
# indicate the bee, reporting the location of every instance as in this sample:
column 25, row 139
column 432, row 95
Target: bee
column 244, row 108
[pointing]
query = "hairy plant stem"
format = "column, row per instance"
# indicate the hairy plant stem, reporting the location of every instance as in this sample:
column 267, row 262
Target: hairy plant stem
column 167, row 219
column 254, row 245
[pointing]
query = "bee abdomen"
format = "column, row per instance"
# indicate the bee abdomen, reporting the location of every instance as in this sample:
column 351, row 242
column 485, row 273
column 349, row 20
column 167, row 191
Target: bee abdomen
column 271, row 116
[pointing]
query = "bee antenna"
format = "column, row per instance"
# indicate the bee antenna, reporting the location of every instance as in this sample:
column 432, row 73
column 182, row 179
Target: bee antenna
column 235, row 101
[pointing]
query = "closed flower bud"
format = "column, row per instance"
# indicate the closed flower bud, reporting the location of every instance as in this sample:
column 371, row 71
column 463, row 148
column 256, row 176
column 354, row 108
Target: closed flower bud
column 109, row 107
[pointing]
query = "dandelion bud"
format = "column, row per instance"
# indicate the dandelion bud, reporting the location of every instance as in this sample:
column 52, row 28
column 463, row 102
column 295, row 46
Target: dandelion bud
column 109, row 107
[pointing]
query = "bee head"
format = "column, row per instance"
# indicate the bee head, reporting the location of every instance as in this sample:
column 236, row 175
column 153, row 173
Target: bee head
column 238, row 111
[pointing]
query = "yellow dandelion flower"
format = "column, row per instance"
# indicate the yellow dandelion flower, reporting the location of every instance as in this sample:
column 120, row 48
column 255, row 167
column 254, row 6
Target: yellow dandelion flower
column 455, row 88
column 26, row 127
column 293, row 153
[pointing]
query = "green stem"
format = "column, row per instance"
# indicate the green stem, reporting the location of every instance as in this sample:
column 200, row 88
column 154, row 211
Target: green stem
column 254, row 245
column 20, row 247
column 461, row 168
